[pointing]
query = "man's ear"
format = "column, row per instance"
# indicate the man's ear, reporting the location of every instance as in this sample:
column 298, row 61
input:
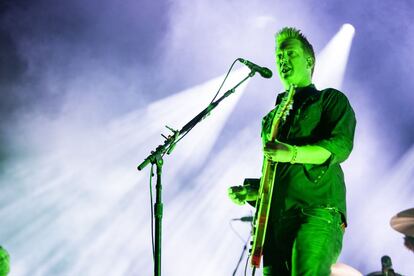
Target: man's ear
column 309, row 62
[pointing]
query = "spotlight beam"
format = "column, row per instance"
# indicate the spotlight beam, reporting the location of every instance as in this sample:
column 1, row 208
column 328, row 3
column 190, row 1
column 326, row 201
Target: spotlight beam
column 332, row 60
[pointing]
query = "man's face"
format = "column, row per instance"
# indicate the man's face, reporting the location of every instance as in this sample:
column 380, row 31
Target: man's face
column 293, row 64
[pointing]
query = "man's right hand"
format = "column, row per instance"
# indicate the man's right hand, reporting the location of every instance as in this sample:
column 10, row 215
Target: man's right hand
column 240, row 194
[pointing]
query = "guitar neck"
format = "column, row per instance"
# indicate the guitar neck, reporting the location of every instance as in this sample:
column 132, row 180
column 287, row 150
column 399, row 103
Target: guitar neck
column 264, row 198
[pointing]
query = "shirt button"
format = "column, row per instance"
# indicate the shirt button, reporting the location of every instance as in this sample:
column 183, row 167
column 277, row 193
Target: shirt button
column 323, row 171
column 316, row 181
column 319, row 176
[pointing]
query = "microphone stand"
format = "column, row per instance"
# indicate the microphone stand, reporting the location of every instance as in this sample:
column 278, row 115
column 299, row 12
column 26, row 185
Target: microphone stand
column 241, row 257
column 156, row 157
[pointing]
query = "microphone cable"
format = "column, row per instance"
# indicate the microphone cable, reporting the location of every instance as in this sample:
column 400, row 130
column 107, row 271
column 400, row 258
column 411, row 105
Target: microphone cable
column 221, row 86
column 245, row 242
column 215, row 96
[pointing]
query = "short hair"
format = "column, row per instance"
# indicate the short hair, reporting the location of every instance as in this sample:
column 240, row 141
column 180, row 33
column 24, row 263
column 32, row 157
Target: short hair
column 293, row 33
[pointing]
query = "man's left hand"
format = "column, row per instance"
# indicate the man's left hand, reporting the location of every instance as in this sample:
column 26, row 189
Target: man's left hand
column 278, row 151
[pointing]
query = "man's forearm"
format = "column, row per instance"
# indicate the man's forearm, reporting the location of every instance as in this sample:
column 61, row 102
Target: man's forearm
column 310, row 154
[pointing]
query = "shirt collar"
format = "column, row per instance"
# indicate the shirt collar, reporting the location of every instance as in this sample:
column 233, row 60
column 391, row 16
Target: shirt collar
column 303, row 93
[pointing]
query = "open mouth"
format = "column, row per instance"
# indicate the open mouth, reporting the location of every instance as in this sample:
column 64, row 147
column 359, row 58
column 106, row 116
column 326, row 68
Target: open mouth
column 286, row 70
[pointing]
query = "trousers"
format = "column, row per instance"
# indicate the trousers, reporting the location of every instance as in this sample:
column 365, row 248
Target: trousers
column 303, row 242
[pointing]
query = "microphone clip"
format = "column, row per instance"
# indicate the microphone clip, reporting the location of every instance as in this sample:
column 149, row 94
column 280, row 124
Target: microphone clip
column 171, row 139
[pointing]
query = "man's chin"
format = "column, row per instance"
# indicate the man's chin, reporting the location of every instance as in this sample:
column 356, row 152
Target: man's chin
column 287, row 76
column 288, row 80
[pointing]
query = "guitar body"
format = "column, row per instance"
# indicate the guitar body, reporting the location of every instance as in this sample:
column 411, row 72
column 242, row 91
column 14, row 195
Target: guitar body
column 267, row 180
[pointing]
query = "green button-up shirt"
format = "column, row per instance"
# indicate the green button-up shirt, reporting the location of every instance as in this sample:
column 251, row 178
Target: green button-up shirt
column 324, row 118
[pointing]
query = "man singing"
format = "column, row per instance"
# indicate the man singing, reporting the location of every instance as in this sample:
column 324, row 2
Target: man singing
column 308, row 208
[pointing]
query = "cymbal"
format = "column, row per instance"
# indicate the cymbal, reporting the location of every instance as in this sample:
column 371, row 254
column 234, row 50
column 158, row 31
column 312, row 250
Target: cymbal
column 403, row 222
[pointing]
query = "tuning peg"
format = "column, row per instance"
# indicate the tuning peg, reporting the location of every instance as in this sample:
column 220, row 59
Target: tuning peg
column 171, row 129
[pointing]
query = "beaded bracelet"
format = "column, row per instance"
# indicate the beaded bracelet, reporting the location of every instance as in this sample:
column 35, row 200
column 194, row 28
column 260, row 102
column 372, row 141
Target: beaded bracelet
column 294, row 155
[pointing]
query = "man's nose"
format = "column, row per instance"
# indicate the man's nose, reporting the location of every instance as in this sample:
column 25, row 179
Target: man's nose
column 284, row 58
column 283, row 61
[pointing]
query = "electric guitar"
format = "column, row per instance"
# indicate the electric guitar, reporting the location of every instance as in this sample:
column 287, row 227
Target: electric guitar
column 266, row 183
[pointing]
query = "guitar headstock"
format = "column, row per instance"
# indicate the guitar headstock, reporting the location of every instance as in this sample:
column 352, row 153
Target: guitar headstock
column 286, row 104
column 282, row 112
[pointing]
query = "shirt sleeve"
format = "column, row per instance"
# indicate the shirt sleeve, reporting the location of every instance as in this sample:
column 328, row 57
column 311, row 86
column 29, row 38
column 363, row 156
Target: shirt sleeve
column 338, row 119
column 255, row 184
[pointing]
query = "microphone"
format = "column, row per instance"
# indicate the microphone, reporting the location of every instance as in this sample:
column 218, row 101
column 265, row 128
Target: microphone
column 245, row 219
column 263, row 71
column 386, row 265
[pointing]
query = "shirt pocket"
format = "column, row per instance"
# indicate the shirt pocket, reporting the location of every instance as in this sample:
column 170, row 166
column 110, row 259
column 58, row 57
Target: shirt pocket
column 315, row 173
